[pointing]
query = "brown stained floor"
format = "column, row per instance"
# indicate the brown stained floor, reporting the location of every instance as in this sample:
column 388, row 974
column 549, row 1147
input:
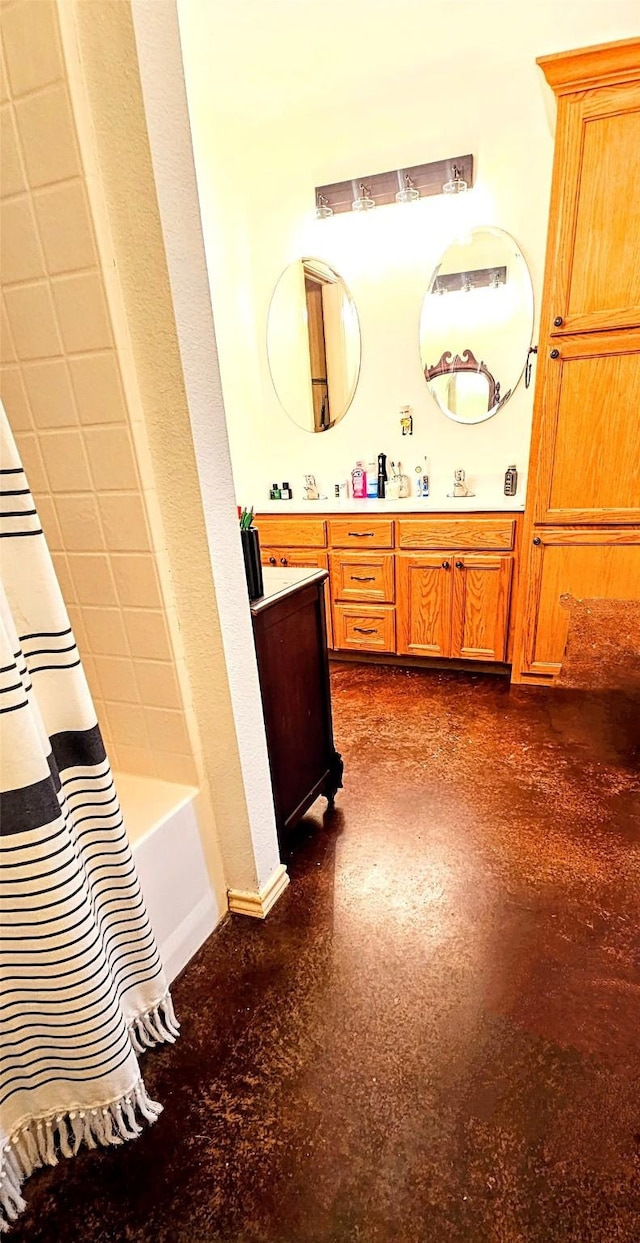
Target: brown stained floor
column 435, row 1037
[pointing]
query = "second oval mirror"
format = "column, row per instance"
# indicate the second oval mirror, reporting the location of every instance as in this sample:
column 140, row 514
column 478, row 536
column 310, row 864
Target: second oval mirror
column 313, row 344
column 476, row 325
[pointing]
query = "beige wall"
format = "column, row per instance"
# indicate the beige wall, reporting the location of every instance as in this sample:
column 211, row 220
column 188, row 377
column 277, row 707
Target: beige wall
column 270, row 122
column 62, row 387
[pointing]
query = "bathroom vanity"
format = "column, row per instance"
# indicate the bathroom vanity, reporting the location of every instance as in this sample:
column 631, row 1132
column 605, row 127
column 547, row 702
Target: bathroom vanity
column 290, row 637
column 407, row 583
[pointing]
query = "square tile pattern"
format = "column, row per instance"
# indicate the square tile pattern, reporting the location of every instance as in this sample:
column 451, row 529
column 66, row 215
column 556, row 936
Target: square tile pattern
column 61, row 385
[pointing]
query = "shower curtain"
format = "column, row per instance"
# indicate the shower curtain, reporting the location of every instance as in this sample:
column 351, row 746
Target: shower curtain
column 82, row 988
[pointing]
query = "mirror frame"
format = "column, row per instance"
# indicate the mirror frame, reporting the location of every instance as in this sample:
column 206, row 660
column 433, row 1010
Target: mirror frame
column 468, row 361
column 306, row 258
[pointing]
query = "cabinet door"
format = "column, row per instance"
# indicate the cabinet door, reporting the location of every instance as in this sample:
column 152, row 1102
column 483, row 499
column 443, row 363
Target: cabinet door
column 588, row 461
column 481, row 598
column 423, row 594
column 587, row 564
column 595, row 212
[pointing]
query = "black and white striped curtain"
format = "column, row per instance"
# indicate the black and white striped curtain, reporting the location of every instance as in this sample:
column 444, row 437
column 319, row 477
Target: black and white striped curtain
column 82, row 988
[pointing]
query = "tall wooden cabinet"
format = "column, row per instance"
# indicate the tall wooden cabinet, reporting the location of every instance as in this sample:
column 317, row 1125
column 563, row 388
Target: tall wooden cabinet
column 582, row 523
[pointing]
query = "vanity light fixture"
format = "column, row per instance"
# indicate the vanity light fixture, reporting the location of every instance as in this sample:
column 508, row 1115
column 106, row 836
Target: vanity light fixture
column 399, row 185
column 407, row 192
column 363, row 201
column 494, row 281
column 466, row 285
column 456, row 183
column 323, row 210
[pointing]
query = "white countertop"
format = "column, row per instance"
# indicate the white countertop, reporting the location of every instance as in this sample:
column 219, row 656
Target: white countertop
column 410, row 505
column 280, row 582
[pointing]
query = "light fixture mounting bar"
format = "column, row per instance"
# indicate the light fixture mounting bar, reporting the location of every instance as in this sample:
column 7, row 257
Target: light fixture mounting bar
column 427, row 178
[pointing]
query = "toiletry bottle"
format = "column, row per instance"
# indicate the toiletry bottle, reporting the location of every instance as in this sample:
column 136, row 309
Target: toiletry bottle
column 359, row 482
column 418, row 491
column 275, row 492
column 382, row 475
column 336, row 491
column 372, row 480
column 286, row 493
column 511, row 481
column 403, row 486
column 425, row 479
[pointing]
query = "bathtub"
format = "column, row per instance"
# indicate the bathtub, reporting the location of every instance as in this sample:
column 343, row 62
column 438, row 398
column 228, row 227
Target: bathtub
column 162, row 827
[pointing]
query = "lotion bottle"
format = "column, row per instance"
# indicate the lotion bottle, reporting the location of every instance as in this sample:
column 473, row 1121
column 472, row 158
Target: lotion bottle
column 359, row 482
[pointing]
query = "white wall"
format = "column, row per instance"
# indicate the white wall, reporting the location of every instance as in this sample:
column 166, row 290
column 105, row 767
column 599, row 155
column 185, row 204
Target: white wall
column 256, row 182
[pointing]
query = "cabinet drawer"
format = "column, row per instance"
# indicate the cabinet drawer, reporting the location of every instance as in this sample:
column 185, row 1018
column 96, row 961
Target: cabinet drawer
column 293, row 556
column 358, row 628
column 361, row 532
column 356, row 576
column 292, row 532
column 462, row 533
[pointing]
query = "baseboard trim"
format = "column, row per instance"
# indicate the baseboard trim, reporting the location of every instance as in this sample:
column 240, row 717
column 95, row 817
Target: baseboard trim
column 258, row 904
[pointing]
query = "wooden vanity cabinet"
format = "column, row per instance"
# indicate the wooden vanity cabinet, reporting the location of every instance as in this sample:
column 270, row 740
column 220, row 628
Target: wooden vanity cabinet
column 584, row 480
column 433, row 586
column 456, row 605
column 581, row 562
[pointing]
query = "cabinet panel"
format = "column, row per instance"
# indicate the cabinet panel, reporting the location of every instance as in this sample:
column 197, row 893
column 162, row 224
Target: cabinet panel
column 596, row 278
column 589, row 565
column 292, row 532
column 481, row 596
column 458, row 532
column 424, row 603
column 359, row 532
column 365, row 628
column 355, row 576
column 589, row 447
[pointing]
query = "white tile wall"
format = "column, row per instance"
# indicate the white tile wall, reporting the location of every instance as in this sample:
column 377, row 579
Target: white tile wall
column 61, row 385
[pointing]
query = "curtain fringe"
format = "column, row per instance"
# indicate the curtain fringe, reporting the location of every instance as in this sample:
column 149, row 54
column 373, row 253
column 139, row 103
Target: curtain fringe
column 43, row 1139
column 157, row 1026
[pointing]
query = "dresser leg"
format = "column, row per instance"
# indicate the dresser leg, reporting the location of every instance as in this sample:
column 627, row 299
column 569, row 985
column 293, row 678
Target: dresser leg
column 334, row 780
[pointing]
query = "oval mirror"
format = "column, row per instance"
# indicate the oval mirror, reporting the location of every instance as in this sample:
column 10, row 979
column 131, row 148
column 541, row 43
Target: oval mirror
column 313, row 344
column 476, row 325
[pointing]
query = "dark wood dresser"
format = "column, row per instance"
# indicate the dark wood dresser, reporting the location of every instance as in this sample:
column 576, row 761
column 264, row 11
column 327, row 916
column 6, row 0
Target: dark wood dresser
column 291, row 645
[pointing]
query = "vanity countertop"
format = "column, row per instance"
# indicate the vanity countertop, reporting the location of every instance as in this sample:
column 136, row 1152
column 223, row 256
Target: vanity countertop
column 410, row 505
column 279, row 582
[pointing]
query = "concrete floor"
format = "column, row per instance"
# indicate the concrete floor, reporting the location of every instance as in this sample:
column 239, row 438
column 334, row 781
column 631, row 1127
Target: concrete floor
column 435, row 1037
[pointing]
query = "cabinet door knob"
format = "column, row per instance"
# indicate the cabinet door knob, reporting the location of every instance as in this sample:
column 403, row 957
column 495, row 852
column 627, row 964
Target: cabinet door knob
column 554, row 354
column 283, row 561
column 459, row 565
column 272, row 561
column 537, row 540
column 558, row 321
column 445, row 565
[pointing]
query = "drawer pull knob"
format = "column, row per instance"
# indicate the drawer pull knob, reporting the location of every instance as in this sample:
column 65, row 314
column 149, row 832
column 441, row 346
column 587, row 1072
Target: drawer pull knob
column 445, row 565
column 363, row 578
column 537, row 540
column 361, row 630
column 272, row 561
column 558, row 321
column 554, row 354
column 459, row 565
column 283, row 561
column 362, row 534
